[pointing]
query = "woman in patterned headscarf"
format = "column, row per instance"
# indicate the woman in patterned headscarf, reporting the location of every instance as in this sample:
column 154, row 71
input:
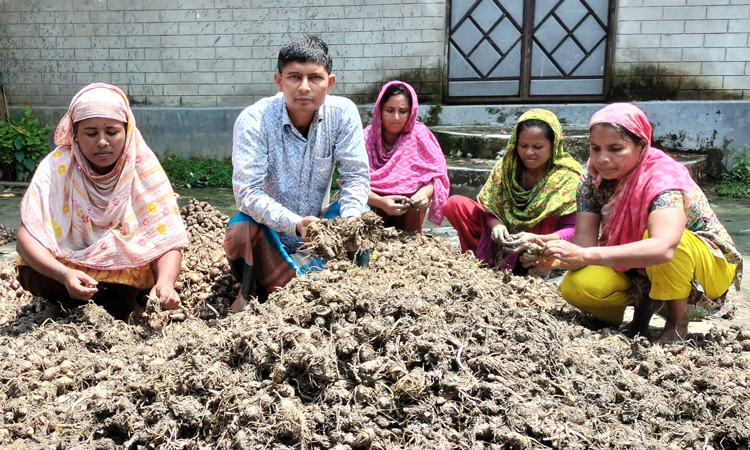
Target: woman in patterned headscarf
column 660, row 242
column 528, row 198
column 100, row 219
column 408, row 174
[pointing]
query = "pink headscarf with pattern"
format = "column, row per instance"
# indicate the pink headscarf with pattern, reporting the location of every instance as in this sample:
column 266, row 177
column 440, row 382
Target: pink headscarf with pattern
column 124, row 219
column 415, row 159
column 625, row 215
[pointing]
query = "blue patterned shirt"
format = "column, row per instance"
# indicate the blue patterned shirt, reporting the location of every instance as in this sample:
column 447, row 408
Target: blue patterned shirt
column 280, row 176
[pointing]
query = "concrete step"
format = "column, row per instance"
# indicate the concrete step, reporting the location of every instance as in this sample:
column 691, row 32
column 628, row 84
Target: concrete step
column 489, row 142
column 468, row 175
column 471, row 152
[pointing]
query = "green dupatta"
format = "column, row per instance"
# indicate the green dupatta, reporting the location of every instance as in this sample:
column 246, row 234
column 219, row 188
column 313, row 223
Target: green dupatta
column 554, row 195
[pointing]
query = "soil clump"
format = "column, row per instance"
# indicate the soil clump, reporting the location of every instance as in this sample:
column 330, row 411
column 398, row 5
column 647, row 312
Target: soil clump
column 7, row 234
column 422, row 349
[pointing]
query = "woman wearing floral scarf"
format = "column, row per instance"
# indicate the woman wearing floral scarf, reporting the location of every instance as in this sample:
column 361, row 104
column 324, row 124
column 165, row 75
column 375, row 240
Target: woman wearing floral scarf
column 528, row 198
column 408, row 174
column 660, row 242
column 100, row 219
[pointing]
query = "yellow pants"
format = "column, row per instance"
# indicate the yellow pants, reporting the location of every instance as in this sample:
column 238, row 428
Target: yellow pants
column 603, row 292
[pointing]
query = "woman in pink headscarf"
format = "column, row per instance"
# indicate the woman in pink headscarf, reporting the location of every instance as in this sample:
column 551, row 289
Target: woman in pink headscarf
column 660, row 241
column 100, row 219
column 408, row 174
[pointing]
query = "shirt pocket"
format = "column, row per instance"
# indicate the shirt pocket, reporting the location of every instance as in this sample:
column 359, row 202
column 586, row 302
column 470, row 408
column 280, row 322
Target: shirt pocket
column 323, row 152
column 322, row 145
column 323, row 169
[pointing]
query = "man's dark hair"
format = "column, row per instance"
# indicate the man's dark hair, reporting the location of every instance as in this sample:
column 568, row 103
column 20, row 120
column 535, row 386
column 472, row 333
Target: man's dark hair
column 305, row 48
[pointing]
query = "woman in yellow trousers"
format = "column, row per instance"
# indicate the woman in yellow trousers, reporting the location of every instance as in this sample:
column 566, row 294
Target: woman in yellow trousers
column 645, row 234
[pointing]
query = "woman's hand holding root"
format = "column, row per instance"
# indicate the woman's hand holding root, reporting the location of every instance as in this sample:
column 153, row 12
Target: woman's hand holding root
column 80, row 286
column 500, row 234
column 571, row 256
column 168, row 297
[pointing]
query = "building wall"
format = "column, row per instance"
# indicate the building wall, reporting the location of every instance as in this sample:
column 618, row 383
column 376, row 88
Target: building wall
column 222, row 52
column 211, row 52
column 683, row 49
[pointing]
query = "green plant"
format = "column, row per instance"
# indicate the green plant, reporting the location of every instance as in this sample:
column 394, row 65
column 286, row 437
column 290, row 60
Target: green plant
column 23, row 143
column 736, row 182
column 335, row 180
column 741, row 169
column 187, row 171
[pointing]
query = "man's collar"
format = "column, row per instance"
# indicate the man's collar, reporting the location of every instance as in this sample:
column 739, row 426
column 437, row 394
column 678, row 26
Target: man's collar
column 286, row 120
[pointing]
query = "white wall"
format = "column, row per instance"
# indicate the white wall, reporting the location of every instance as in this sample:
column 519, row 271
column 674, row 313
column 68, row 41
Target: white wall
column 210, row 52
column 699, row 48
column 223, row 52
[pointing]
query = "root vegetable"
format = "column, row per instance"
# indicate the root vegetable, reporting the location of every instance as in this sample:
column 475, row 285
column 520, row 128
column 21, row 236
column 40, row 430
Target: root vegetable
column 423, row 349
column 63, row 383
column 50, row 373
column 116, row 364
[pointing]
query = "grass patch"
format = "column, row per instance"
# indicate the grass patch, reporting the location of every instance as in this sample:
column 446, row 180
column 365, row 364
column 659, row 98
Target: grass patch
column 736, row 182
column 190, row 172
column 335, row 180
column 731, row 186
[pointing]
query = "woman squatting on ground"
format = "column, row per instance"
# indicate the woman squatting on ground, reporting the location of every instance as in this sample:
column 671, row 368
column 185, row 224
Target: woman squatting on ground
column 408, row 173
column 528, row 199
column 100, row 220
column 660, row 242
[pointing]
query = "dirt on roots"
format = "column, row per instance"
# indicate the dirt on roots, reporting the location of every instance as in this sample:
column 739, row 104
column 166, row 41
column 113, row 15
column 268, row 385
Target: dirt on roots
column 7, row 234
column 422, row 349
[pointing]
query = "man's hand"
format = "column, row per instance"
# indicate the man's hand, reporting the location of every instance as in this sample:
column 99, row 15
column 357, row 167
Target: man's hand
column 302, row 226
column 79, row 285
column 500, row 234
column 394, row 205
column 168, row 297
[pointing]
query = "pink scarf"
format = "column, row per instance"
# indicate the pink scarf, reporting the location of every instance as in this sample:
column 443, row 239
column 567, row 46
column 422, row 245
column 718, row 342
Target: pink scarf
column 625, row 215
column 415, row 159
column 121, row 220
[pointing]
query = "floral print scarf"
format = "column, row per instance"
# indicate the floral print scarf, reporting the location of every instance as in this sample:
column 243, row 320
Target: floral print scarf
column 124, row 219
column 555, row 195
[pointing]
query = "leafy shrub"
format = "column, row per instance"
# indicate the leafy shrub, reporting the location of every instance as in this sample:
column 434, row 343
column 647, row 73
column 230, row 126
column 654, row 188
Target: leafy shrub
column 191, row 172
column 23, row 143
column 736, row 182
column 187, row 171
column 335, row 180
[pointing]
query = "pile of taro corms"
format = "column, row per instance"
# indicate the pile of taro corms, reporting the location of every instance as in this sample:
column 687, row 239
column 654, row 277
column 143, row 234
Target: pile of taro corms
column 422, row 349
column 7, row 234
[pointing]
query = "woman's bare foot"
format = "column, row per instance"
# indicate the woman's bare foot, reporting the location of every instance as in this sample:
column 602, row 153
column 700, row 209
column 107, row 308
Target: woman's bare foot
column 642, row 315
column 673, row 334
column 50, row 313
column 676, row 327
